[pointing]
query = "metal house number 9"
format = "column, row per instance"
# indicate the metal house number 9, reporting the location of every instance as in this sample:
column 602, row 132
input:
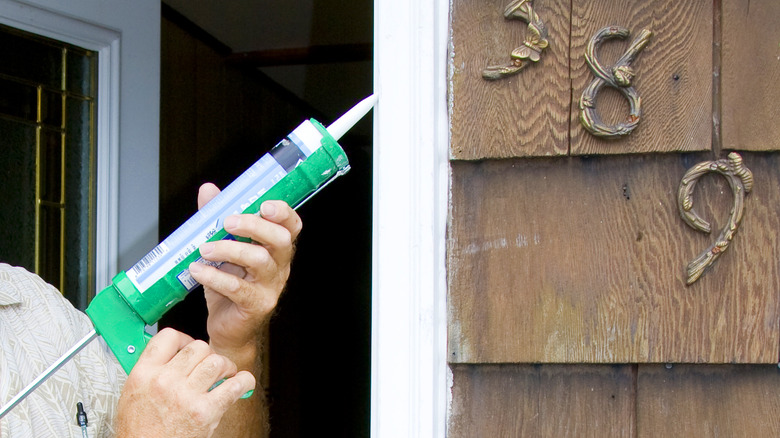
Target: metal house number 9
column 740, row 178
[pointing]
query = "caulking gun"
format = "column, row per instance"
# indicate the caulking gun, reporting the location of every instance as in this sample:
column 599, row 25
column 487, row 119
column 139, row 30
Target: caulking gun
column 293, row 171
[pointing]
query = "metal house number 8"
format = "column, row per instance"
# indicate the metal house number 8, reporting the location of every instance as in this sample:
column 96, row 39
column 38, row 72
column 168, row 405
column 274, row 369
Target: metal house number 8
column 618, row 77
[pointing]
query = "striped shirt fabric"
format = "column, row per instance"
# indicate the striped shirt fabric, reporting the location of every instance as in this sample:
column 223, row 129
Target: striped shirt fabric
column 38, row 325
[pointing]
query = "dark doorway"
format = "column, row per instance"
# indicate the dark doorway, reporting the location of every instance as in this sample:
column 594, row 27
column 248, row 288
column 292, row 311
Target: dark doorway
column 220, row 114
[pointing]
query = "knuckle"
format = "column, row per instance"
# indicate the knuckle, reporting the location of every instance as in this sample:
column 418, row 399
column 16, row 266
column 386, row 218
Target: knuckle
column 194, row 348
column 285, row 238
column 167, row 330
column 199, row 346
column 297, row 225
column 160, row 383
column 260, row 256
column 200, row 413
column 233, row 284
column 209, row 366
column 216, row 363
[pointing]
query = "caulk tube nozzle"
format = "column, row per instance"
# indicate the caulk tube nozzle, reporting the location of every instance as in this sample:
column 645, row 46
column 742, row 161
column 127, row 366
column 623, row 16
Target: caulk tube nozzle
column 344, row 123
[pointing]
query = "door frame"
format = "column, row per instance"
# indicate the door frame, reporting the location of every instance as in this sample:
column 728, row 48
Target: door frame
column 410, row 379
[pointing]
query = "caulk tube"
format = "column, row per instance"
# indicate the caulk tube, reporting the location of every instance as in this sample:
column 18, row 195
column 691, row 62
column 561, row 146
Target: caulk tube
column 295, row 169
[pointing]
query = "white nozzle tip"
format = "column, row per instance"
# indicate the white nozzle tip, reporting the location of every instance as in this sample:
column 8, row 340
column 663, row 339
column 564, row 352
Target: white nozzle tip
column 344, row 123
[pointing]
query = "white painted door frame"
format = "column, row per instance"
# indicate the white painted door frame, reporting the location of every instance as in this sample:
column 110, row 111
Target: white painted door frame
column 409, row 373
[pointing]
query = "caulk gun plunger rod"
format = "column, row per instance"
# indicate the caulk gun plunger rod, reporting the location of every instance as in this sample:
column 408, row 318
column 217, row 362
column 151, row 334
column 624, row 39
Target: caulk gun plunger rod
column 49, row 371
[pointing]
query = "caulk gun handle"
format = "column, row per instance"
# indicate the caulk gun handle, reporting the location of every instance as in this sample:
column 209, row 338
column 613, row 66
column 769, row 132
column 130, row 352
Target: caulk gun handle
column 119, row 325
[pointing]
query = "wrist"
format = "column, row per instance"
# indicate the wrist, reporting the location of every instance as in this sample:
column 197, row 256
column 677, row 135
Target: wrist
column 246, row 357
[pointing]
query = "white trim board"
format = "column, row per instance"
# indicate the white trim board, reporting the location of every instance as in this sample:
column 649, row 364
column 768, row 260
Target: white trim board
column 409, row 374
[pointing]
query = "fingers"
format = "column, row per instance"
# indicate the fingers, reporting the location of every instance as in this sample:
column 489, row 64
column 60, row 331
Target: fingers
column 206, row 193
column 257, row 259
column 194, row 360
column 275, row 239
column 238, row 290
column 164, row 346
column 227, row 392
column 210, row 369
column 176, row 395
column 281, row 213
column 275, row 211
column 276, row 231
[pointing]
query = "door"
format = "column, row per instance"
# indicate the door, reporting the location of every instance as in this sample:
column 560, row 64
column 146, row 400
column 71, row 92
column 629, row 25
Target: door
column 126, row 39
column 571, row 306
column 47, row 129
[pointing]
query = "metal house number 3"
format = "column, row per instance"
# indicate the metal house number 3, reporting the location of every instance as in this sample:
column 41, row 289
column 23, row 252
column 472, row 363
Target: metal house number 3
column 531, row 49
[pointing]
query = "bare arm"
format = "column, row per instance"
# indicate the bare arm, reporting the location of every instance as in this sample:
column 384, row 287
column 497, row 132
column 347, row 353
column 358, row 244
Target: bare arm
column 242, row 294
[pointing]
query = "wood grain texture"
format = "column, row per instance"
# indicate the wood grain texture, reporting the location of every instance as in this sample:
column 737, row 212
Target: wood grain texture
column 542, row 401
column 673, row 74
column 583, row 260
column 523, row 115
column 708, row 401
column 750, row 68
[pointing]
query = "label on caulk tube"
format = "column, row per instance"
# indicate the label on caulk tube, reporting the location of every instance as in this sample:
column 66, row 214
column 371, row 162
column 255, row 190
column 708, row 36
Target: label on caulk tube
column 234, row 199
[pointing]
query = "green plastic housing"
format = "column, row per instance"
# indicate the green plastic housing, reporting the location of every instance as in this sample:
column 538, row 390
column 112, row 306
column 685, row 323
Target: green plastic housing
column 121, row 312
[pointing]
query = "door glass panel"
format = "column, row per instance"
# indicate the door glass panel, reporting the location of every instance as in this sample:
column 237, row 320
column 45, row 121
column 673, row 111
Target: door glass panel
column 17, row 211
column 31, row 57
column 47, row 125
column 18, row 100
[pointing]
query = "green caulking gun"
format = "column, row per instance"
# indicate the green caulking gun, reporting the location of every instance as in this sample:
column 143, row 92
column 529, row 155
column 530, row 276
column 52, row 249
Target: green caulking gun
column 293, row 171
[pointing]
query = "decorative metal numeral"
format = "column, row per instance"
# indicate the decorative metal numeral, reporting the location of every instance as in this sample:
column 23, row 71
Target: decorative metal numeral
column 618, row 77
column 740, row 179
column 531, row 50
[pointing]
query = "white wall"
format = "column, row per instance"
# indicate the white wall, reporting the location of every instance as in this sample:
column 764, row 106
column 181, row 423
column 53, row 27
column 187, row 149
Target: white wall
column 127, row 34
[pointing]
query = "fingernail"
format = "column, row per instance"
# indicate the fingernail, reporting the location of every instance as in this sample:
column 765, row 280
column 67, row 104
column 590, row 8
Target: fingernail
column 231, row 222
column 196, row 267
column 268, row 209
column 207, row 247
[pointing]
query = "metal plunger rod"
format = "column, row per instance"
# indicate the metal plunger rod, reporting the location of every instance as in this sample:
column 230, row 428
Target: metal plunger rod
column 49, row 371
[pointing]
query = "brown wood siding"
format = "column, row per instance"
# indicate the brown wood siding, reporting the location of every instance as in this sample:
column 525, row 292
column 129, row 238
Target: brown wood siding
column 524, row 115
column 673, row 74
column 582, row 260
column 643, row 401
column 750, row 66
column 566, row 253
column 708, row 401
column 536, row 112
column 542, row 401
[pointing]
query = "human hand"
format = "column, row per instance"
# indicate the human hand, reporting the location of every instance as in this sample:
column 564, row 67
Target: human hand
column 167, row 392
column 243, row 292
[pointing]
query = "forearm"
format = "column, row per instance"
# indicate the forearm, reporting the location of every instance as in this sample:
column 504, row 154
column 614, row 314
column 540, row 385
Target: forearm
column 247, row 417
